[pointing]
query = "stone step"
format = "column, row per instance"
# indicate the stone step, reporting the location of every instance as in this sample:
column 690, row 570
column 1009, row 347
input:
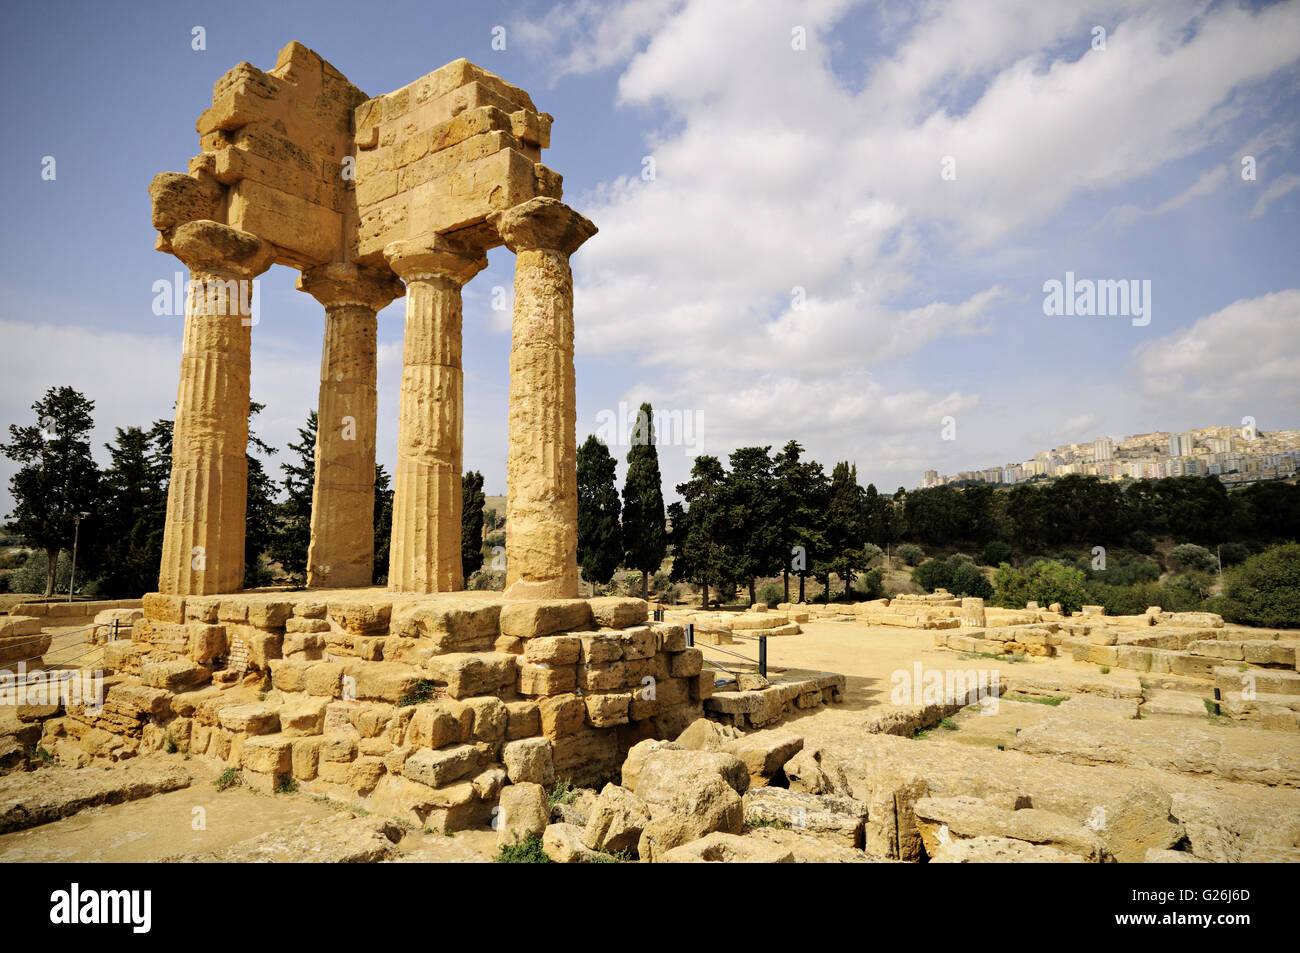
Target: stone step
column 1270, row 681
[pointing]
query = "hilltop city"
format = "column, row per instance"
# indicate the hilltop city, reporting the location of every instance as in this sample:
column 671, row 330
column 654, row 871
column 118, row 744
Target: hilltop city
column 1236, row 455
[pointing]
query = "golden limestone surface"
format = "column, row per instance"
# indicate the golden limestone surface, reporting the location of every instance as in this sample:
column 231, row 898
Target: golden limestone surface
column 370, row 199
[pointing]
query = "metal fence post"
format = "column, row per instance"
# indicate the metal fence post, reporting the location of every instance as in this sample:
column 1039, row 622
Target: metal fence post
column 762, row 655
column 690, row 633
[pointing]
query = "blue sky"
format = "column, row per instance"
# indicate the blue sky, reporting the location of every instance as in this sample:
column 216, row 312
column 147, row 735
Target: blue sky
column 776, row 169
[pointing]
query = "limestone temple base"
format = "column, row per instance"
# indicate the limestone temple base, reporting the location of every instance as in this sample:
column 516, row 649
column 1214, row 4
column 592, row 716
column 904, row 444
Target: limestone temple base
column 419, row 707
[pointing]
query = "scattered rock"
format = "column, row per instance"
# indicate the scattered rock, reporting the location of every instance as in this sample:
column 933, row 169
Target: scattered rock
column 727, row 848
column 617, row 819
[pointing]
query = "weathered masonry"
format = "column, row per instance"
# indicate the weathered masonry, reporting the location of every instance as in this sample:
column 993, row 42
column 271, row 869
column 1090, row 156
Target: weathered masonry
column 370, row 199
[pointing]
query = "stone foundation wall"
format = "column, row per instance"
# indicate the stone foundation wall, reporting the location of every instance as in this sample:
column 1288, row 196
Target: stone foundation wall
column 419, row 707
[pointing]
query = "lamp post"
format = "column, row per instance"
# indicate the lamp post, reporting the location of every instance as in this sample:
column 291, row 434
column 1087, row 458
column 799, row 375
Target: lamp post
column 76, row 534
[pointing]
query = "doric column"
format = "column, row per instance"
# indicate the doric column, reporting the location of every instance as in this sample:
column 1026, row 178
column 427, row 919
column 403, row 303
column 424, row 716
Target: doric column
column 541, row 469
column 203, row 539
column 424, row 555
column 342, row 550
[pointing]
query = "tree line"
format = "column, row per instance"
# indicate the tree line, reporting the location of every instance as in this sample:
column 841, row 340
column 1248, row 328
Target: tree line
column 115, row 515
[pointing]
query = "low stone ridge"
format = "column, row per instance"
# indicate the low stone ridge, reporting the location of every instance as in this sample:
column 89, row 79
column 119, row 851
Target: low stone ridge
column 941, row 820
column 341, row 839
column 49, row 794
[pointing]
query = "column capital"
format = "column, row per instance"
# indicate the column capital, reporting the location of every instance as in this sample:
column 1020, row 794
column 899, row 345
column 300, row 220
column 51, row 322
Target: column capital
column 438, row 257
column 216, row 249
column 543, row 224
column 340, row 283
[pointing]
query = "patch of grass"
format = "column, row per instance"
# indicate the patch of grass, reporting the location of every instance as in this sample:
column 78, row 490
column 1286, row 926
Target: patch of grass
column 529, row 852
column 1242, row 667
column 618, row 857
column 424, row 691
column 44, row 756
column 562, row 793
column 1035, row 699
column 1105, row 670
column 1214, row 717
column 947, row 724
column 964, row 656
column 261, row 696
column 169, row 744
column 287, row 784
column 774, row 822
column 227, row 778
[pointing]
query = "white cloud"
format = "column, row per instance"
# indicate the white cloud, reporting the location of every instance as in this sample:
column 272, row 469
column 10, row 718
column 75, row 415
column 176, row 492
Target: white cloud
column 1238, row 360
column 773, row 174
column 1279, row 187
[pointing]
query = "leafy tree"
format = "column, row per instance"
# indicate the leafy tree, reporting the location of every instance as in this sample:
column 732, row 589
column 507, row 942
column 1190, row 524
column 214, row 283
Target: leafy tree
column 877, row 526
column 753, row 531
column 260, row 517
column 292, row 537
column 698, row 528
column 135, row 511
column 996, row 553
column 844, row 529
column 58, row 479
column 958, row 574
column 645, row 538
column 804, row 495
column 600, row 537
column 471, row 523
column 1233, row 553
column 1191, row 556
column 1265, row 589
column 383, row 523
column 1043, row 581
column 1140, row 542
column 936, row 515
column 910, row 554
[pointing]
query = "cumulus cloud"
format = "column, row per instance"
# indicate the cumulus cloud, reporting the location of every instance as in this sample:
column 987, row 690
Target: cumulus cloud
column 773, row 263
column 1242, row 356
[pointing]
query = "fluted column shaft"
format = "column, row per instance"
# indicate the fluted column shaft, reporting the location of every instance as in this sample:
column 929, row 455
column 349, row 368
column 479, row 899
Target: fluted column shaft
column 424, row 554
column 342, row 549
column 203, row 538
column 541, row 468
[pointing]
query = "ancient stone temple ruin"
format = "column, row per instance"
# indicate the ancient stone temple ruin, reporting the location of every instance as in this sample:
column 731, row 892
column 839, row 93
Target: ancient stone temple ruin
column 370, row 199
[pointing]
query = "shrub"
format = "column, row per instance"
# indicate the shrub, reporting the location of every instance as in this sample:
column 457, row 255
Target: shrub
column 996, row 553
column 967, row 580
column 1186, row 592
column 1233, row 554
column 910, row 553
column 1191, row 556
column 1043, row 581
column 870, row 551
column 958, row 574
column 932, row 574
column 1265, row 589
column 484, row 579
column 770, row 594
column 30, row 576
column 1140, row 542
column 529, row 852
column 869, row 585
column 1133, row 599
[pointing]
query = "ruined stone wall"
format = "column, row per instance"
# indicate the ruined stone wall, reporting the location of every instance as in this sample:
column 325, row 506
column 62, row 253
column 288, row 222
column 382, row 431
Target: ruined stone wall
column 420, row 708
